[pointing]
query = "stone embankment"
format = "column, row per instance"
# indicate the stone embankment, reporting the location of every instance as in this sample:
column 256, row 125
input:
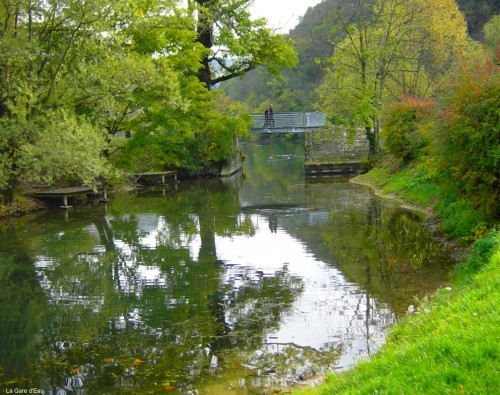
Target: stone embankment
column 333, row 150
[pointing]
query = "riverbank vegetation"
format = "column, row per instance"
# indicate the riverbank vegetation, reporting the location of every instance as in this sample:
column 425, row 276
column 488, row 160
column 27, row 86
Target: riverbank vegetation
column 77, row 76
column 440, row 151
column 443, row 152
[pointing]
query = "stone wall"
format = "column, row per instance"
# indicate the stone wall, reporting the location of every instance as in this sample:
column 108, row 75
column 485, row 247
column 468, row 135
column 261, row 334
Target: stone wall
column 335, row 150
column 233, row 166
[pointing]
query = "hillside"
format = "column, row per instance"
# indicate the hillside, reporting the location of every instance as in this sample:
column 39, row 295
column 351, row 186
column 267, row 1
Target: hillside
column 315, row 37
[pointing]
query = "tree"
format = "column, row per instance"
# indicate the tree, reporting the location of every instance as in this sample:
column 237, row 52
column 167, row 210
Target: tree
column 492, row 35
column 74, row 74
column 361, row 62
column 234, row 44
column 396, row 48
column 89, row 69
column 466, row 147
column 294, row 90
column 189, row 138
column 45, row 49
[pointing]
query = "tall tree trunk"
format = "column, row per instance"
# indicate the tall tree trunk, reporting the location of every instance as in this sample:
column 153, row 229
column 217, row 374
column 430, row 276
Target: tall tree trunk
column 363, row 60
column 205, row 30
column 7, row 196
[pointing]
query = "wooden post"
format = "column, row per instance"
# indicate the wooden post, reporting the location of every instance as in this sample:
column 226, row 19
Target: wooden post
column 65, row 202
column 104, row 198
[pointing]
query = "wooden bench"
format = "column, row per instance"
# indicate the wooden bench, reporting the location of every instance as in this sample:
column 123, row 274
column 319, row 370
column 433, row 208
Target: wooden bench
column 157, row 174
column 69, row 192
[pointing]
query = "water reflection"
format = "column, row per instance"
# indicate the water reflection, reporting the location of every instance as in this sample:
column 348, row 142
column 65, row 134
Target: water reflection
column 22, row 307
column 222, row 287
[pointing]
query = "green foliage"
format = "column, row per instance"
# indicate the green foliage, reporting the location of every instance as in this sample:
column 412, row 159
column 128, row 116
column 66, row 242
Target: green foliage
column 21, row 205
column 121, row 86
column 461, row 133
column 185, row 137
column 492, row 35
column 481, row 252
column 404, row 131
column 312, row 39
column 65, row 158
column 47, row 52
column 460, row 219
column 467, row 138
column 236, row 44
column 403, row 49
column 75, row 75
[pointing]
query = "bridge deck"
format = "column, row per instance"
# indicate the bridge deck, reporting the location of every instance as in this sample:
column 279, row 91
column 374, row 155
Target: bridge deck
column 160, row 175
column 285, row 122
column 65, row 193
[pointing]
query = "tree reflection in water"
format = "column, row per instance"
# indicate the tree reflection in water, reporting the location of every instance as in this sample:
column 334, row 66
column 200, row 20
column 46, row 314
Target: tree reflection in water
column 188, row 290
column 130, row 302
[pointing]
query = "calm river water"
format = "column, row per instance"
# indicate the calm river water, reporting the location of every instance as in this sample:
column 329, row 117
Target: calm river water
column 236, row 286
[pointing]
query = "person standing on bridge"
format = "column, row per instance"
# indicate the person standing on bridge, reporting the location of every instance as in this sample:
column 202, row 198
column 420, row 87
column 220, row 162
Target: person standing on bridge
column 266, row 117
column 271, row 115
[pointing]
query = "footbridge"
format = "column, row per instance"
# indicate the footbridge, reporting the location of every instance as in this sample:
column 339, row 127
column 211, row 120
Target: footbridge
column 288, row 122
column 328, row 149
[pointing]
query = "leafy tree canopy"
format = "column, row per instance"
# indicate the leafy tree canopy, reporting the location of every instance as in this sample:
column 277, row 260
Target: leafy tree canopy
column 403, row 48
column 234, row 43
column 75, row 73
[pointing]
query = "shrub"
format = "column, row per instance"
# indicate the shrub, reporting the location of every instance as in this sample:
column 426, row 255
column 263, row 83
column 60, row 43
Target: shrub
column 481, row 251
column 468, row 138
column 460, row 220
column 405, row 129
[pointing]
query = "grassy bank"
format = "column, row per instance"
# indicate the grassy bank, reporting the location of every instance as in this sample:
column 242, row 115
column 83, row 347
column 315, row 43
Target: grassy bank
column 452, row 344
column 411, row 185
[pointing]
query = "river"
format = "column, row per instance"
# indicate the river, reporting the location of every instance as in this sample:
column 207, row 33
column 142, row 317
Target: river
column 237, row 286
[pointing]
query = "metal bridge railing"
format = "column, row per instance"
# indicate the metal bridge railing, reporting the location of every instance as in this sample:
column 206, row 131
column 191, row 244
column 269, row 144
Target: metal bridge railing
column 295, row 121
column 280, row 120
